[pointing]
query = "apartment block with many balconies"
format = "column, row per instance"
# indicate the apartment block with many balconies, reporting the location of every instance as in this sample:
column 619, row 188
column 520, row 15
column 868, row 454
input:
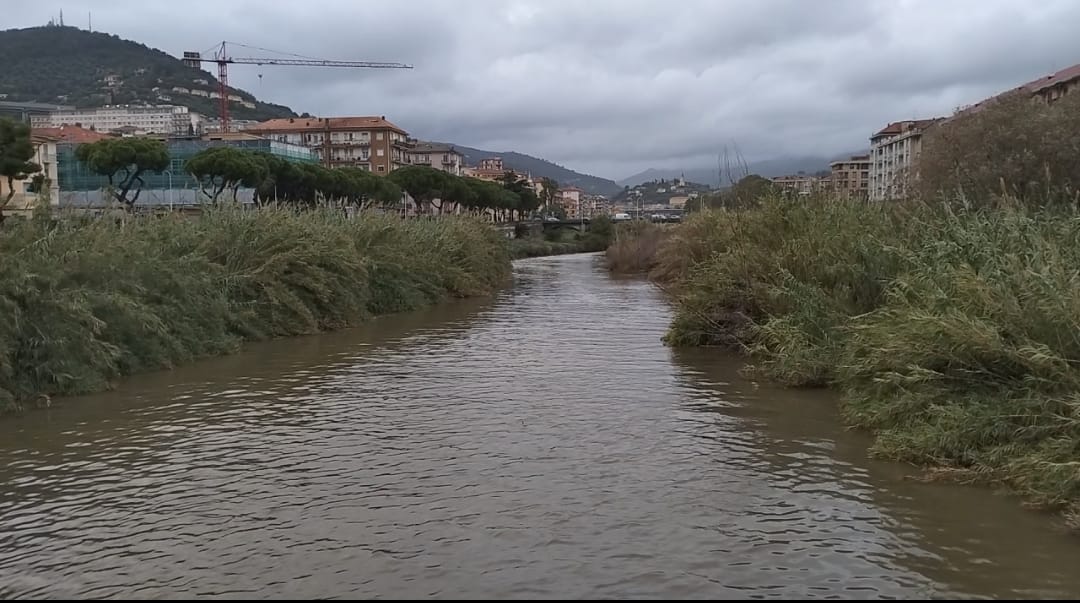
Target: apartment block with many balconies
column 437, row 155
column 894, row 151
column 370, row 143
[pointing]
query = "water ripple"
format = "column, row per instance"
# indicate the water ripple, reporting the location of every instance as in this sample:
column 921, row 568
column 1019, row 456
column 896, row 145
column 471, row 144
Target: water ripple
column 541, row 444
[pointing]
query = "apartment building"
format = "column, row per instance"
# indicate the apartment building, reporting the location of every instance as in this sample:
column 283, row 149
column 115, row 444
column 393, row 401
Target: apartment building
column 573, row 202
column 370, row 143
column 156, row 119
column 799, row 184
column 1055, row 85
column 850, row 177
column 894, row 151
column 437, row 155
column 490, row 168
column 45, row 141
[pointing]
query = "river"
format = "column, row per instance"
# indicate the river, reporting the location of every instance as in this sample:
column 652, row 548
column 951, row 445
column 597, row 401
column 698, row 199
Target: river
column 543, row 443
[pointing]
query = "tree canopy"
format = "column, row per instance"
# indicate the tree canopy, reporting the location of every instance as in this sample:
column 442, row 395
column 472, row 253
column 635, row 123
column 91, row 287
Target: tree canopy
column 220, row 168
column 124, row 161
column 16, row 151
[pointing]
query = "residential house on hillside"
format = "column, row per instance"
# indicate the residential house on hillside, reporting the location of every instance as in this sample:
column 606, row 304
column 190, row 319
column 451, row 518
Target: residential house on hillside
column 490, row 169
column 367, row 142
column 157, row 119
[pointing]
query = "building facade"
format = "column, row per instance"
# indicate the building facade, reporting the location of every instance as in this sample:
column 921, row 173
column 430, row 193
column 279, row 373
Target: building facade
column 26, row 112
column 851, row 177
column 369, row 143
column 573, row 202
column 80, row 187
column 157, row 119
column 894, row 151
column 799, row 184
column 439, row 156
column 490, row 169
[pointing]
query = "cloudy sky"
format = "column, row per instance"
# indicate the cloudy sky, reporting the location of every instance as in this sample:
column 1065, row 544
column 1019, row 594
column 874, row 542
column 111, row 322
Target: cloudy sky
column 612, row 87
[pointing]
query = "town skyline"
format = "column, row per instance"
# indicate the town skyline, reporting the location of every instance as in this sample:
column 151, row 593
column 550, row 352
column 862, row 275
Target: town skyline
column 612, row 93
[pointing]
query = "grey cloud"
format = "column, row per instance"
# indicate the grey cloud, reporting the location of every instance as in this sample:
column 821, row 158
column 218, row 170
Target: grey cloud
column 615, row 86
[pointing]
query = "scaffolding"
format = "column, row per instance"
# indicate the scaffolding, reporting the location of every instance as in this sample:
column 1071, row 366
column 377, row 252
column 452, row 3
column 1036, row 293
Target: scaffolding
column 81, row 187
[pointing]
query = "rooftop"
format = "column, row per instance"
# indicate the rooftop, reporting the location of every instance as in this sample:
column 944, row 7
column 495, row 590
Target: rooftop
column 433, row 147
column 72, row 134
column 294, row 124
column 900, row 127
column 1065, row 75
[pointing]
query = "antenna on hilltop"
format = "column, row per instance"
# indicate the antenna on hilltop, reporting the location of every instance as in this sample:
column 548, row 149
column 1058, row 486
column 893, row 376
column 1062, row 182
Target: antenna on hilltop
column 89, row 21
column 61, row 17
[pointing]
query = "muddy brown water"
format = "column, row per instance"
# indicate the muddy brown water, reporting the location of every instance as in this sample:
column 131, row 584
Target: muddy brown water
column 543, row 443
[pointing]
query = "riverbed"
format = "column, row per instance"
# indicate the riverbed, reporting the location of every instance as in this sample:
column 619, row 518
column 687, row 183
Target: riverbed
column 541, row 443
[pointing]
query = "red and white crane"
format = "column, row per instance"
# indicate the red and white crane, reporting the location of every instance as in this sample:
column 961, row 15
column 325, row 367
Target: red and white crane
column 223, row 59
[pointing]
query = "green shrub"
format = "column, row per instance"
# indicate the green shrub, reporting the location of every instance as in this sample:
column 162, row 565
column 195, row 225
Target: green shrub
column 88, row 300
column 951, row 330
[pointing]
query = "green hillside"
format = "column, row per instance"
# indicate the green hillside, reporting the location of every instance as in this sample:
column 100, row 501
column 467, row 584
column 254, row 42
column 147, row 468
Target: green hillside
column 71, row 66
column 544, row 169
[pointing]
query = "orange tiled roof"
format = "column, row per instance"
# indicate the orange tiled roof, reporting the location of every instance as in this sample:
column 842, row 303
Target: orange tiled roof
column 899, row 127
column 72, row 134
column 1065, row 75
column 294, row 124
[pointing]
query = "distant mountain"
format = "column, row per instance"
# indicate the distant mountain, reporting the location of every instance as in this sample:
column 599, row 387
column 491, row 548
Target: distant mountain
column 71, row 66
column 768, row 168
column 544, row 169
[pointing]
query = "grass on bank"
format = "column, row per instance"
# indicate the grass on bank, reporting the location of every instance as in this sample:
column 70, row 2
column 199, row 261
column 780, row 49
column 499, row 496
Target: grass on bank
column 560, row 242
column 89, row 300
column 953, row 331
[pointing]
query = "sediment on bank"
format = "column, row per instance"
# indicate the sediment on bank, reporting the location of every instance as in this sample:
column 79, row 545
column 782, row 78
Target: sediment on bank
column 88, row 300
column 951, row 329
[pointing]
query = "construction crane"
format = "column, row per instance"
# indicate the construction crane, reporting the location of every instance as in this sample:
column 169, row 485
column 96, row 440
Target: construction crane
column 223, row 59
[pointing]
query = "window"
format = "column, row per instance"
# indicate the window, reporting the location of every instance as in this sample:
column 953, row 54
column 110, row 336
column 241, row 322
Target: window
column 378, row 136
column 350, row 135
column 380, row 152
column 382, row 168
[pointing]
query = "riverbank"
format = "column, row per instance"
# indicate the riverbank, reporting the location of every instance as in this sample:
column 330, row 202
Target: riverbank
column 86, row 301
column 597, row 238
column 950, row 329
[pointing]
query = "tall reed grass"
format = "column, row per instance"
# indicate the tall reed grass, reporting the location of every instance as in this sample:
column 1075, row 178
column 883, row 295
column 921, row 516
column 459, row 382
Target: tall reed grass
column 88, row 300
column 952, row 331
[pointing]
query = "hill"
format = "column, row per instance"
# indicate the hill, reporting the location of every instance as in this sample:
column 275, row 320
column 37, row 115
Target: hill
column 544, row 169
column 768, row 168
column 71, row 66
column 660, row 191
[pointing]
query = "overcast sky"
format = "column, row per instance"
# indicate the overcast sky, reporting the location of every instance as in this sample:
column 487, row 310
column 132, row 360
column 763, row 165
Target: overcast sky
column 615, row 86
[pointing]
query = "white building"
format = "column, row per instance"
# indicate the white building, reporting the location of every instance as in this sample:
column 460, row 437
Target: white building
column 893, row 153
column 159, row 119
column 439, row 156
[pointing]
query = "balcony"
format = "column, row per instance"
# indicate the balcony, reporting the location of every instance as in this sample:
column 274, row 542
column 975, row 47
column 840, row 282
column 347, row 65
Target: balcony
column 350, row 143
